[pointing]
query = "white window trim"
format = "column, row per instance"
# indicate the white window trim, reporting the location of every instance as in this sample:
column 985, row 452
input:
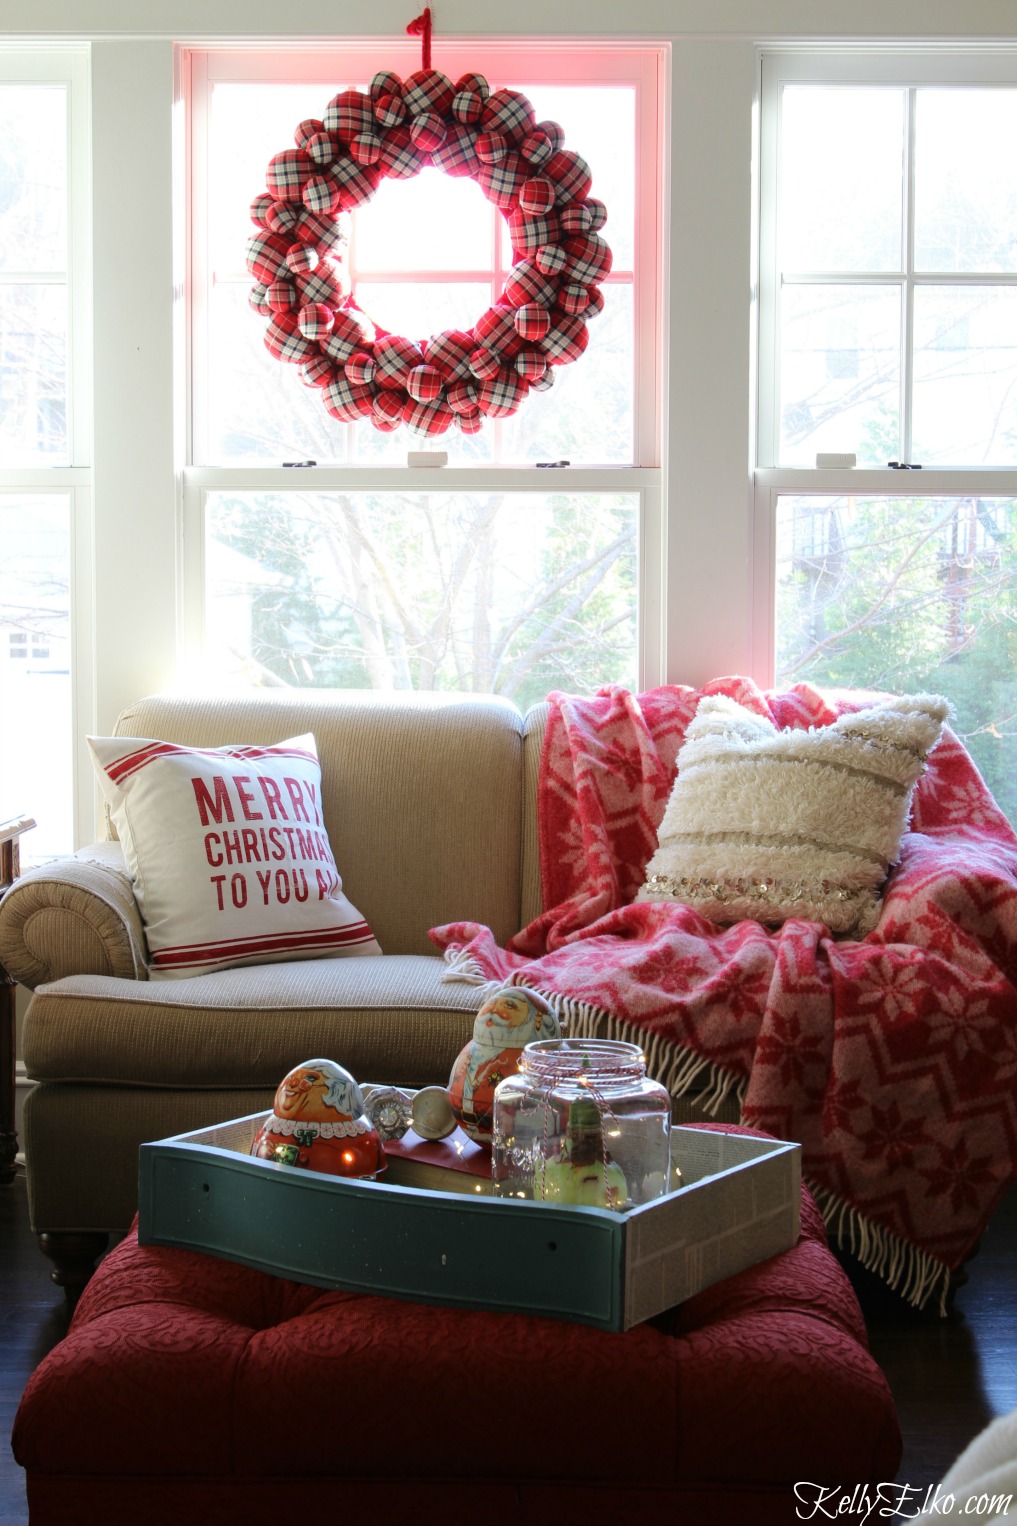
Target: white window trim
column 70, row 66
column 961, row 66
column 635, row 63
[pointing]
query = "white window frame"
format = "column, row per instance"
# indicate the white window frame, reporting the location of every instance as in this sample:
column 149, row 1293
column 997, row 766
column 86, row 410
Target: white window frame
column 959, row 66
column 554, row 63
column 69, row 66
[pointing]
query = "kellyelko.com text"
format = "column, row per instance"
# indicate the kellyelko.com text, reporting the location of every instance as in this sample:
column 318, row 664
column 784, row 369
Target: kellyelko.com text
column 865, row 1502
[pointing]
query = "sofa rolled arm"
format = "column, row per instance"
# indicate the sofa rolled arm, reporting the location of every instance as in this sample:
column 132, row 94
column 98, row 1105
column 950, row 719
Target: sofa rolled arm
column 74, row 916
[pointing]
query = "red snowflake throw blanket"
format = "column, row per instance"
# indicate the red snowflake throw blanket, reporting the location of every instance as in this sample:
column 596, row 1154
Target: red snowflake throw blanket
column 892, row 1060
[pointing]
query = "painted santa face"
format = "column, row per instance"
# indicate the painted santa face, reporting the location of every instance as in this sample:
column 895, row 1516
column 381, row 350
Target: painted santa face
column 318, row 1090
column 515, row 1015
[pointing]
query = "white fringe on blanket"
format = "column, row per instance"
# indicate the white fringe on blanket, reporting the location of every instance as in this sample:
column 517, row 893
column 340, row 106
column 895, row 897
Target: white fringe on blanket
column 916, row 1276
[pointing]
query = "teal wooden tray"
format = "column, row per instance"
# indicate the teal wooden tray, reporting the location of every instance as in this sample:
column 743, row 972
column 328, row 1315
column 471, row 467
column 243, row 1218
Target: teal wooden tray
column 739, row 1204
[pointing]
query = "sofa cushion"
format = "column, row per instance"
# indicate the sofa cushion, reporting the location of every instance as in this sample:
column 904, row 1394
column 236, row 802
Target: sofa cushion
column 771, row 824
column 389, row 1019
column 228, row 853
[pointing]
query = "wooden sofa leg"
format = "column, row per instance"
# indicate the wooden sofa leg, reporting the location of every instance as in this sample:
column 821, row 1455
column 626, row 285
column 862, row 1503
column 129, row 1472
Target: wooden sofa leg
column 74, row 1254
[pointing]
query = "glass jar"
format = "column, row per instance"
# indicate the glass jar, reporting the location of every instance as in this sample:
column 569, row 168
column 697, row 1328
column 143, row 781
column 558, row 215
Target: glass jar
column 582, row 1123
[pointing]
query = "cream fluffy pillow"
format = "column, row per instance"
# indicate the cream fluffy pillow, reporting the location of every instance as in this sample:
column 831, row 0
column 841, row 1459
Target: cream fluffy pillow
column 770, row 824
column 228, row 853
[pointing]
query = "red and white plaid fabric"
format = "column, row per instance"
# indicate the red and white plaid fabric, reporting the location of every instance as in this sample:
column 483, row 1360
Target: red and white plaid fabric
column 526, row 283
column 323, row 232
column 400, row 159
column 576, row 218
column 424, row 384
column 387, row 409
column 595, row 302
column 317, row 371
column 449, row 353
column 501, row 395
column 589, row 259
column 315, row 320
column 327, row 285
column 266, row 257
column 282, row 296
column 394, row 359
column 428, row 90
column 537, row 195
column 389, row 111
column 261, row 206
column 570, row 173
column 536, row 147
column 484, row 362
column 469, row 423
column 462, row 397
column 467, row 107
column 302, row 259
column 304, row 131
column 500, row 182
column 360, row 368
column 497, row 329
column 321, row 148
column 285, row 341
column 427, row 132
column 475, row 83
column 551, row 259
column 321, row 194
column 531, row 364
column 554, row 132
column 366, row 148
column 531, row 234
column 385, row 83
column 357, row 182
column 542, row 383
column 458, row 154
column 427, row 418
column 574, row 298
column 284, row 216
column 532, row 321
column 345, row 400
column 346, row 338
column 348, row 114
column 509, row 111
column 258, row 299
column 288, row 173
column 492, row 146
column 566, row 341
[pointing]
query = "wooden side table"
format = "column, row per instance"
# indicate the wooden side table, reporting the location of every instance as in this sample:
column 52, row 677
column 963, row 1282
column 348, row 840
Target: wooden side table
column 10, row 832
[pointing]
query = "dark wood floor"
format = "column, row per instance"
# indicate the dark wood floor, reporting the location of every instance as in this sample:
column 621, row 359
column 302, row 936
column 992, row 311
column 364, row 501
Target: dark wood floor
column 950, row 1377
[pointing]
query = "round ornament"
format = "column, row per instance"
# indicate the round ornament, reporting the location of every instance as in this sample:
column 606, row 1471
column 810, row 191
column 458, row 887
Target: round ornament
column 318, row 1122
column 509, row 1019
column 298, row 255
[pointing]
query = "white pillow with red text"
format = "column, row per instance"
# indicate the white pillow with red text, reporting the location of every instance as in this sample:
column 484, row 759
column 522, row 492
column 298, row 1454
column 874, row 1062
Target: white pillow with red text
column 228, row 853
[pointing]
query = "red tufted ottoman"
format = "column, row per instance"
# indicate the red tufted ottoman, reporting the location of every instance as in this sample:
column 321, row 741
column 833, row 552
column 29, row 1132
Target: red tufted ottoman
column 193, row 1390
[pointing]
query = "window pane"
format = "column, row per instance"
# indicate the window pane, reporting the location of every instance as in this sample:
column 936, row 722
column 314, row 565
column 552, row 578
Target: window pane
column 431, row 222
column 502, row 593
column 33, row 375
column 587, row 414
column 841, row 186
column 418, row 309
column 907, row 594
column 965, row 407
column 966, row 180
column 840, row 372
column 35, row 678
column 33, row 178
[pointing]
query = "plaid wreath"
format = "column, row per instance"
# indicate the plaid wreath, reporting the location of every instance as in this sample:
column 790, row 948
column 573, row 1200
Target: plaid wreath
column 459, row 377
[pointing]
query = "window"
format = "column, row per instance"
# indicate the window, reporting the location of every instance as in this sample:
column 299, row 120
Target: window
column 43, row 426
column 493, row 575
column 888, row 330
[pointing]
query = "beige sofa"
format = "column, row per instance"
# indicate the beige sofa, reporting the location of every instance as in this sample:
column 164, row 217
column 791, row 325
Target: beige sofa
column 430, row 806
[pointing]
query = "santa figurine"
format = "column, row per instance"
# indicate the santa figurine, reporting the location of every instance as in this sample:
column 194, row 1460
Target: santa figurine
column 510, row 1018
column 318, row 1122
